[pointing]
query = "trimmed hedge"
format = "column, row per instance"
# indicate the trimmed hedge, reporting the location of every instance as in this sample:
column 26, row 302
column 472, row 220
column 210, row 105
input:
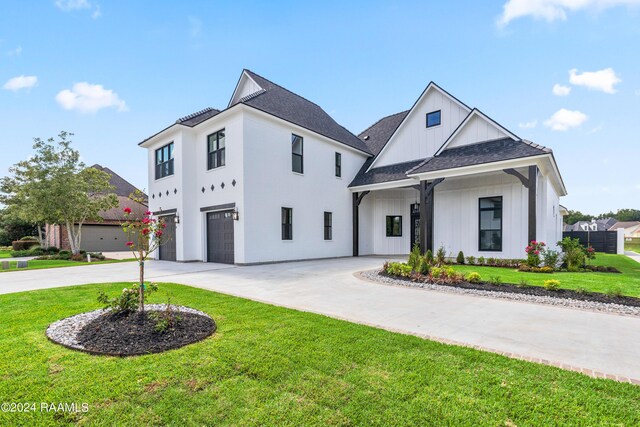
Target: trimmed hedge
column 23, row 245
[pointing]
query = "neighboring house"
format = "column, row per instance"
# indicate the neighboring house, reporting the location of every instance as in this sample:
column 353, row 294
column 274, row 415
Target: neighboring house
column 105, row 235
column 631, row 228
column 593, row 225
column 273, row 177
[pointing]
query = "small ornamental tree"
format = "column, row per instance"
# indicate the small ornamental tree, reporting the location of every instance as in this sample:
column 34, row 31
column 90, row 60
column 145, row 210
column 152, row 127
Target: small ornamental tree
column 145, row 235
column 533, row 253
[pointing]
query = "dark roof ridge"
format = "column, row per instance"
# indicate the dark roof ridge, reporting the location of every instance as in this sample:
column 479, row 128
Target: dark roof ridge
column 196, row 114
column 361, row 135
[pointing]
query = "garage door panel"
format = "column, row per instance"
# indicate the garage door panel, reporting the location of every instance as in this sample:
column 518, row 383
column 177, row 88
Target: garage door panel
column 220, row 237
column 168, row 249
column 103, row 238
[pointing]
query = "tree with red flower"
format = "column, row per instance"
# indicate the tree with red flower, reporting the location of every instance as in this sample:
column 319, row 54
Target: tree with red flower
column 145, row 236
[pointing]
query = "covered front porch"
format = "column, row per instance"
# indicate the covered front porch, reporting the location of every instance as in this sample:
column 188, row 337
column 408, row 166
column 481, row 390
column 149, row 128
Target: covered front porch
column 492, row 210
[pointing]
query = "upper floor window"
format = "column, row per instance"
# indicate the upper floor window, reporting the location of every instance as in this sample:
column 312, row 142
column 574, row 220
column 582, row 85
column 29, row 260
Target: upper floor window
column 297, row 164
column 164, row 161
column 215, row 150
column 287, row 224
column 490, row 224
column 338, row 165
column 433, row 119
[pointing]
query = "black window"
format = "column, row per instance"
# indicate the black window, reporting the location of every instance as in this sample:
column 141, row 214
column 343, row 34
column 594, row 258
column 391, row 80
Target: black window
column 433, row 118
column 296, row 153
column 164, row 161
column 338, row 164
column 490, row 224
column 287, row 224
column 394, row 226
column 215, row 150
column 328, row 232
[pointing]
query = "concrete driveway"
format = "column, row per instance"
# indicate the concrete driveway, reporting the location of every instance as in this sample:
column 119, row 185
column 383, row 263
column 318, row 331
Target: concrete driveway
column 596, row 343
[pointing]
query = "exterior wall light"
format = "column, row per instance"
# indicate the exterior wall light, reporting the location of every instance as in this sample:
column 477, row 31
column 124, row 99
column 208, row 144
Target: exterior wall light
column 176, row 219
column 235, row 215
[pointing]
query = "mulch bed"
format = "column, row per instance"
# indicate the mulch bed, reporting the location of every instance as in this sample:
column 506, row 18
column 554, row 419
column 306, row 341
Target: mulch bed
column 538, row 291
column 134, row 334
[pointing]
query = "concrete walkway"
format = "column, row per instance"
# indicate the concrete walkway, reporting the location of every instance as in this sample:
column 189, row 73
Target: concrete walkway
column 633, row 255
column 574, row 339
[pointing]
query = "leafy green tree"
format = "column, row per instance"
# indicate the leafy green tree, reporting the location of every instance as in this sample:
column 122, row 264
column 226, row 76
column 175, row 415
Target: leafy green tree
column 627, row 215
column 54, row 187
column 13, row 228
column 575, row 216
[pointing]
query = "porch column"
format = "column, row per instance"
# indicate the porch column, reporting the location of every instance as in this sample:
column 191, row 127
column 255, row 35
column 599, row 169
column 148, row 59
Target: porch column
column 357, row 199
column 427, row 213
column 531, row 184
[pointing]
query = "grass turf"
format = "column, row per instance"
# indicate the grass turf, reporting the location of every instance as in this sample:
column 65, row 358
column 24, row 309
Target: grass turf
column 5, row 254
column 268, row 365
column 40, row 264
column 628, row 282
column 632, row 246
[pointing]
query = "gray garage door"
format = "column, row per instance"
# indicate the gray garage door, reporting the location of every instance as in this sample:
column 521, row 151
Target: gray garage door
column 220, row 237
column 168, row 250
column 103, row 238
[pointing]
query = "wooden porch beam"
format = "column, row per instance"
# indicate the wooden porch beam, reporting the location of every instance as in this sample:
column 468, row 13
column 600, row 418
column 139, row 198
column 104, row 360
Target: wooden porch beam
column 427, row 213
column 357, row 199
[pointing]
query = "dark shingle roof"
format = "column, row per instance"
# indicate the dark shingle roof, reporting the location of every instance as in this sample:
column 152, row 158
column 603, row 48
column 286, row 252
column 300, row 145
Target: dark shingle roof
column 196, row 118
column 385, row 173
column 479, row 153
column 377, row 135
column 282, row 103
column 121, row 186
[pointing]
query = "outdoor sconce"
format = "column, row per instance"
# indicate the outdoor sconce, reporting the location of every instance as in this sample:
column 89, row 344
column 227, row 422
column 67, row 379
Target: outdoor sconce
column 176, row 219
column 235, row 215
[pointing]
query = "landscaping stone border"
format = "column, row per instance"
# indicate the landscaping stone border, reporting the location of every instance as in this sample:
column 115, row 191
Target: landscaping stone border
column 65, row 331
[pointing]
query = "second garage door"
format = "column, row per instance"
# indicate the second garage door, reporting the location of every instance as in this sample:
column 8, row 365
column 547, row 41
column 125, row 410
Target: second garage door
column 103, row 238
column 220, row 237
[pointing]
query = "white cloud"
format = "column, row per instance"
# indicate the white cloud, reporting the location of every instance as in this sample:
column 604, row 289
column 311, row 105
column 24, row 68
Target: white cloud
column 602, row 80
column 552, row 10
column 15, row 52
column 89, row 98
column 20, row 82
column 560, row 90
column 68, row 5
column 564, row 119
column 528, row 125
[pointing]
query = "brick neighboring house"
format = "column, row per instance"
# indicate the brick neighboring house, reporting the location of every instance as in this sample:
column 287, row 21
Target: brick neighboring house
column 105, row 235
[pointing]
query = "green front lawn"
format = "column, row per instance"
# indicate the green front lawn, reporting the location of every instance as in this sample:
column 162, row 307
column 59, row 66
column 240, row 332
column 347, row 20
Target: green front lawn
column 40, row 264
column 628, row 281
column 268, row 365
column 632, row 246
column 5, row 254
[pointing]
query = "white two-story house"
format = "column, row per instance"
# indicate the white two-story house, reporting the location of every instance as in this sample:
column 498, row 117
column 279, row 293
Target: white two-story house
column 274, row 178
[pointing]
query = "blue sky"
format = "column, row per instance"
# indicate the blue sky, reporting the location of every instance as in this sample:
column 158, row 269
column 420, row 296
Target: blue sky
column 115, row 72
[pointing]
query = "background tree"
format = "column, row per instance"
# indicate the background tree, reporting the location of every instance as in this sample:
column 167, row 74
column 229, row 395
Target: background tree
column 575, row 216
column 54, row 187
column 13, row 228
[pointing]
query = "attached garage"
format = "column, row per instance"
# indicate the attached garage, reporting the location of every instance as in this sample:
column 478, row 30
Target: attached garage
column 103, row 238
column 220, row 237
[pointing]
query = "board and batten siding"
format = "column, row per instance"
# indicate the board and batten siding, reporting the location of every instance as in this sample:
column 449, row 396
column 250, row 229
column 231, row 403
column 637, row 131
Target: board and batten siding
column 456, row 215
column 477, row 129
column 413, row 139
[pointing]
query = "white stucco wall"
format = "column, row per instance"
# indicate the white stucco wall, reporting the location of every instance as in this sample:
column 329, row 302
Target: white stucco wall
column 413, row 139
column 270, row 185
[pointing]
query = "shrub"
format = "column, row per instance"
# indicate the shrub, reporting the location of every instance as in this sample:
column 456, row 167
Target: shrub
column 573, row 253
column 492, row 261
column 441, row 256
column 97, row 255
column 611, row 269
column 523, row 283
column 77, row 257
column 551, row 285
column 460, row 258
column 550, row 258
column 414, row 258
column 533, row 253
column 473, row 277
column 127, row 301
column 615, row 292
column 51, row 250
column 166, row 319
column 481, row 260
column 471, row 260
column 495, row 280
column 429, row 257
column 424, row 266
column 581, row 290
column 23, row 245
column 29, row 239
column 399, row 269
column 525, row 268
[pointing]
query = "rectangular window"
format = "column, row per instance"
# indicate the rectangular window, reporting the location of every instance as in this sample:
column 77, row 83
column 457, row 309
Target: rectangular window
column 296, row 154
column 338, row 165
column 215, row 150
column 287, row 224
column 433, row 118
column 164, row 161
column 394, row 226
column 490, row 224
column 328, row 232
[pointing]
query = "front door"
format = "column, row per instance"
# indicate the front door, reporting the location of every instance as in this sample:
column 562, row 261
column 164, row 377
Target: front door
column 220, row 237
column 168, row 249
column 415, row 225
